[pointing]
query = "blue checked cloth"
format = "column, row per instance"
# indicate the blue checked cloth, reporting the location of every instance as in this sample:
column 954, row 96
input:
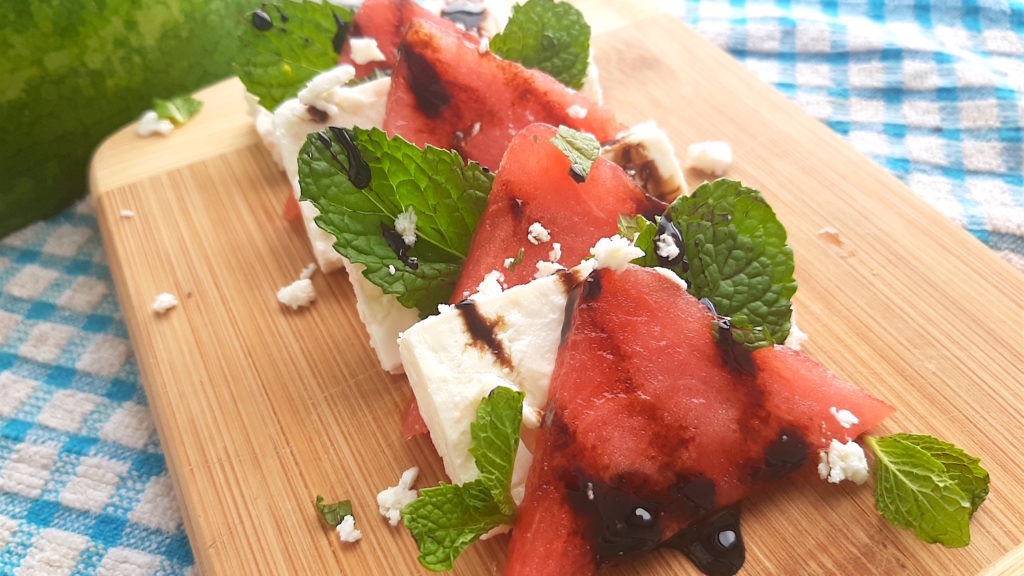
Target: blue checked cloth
column 934, row 92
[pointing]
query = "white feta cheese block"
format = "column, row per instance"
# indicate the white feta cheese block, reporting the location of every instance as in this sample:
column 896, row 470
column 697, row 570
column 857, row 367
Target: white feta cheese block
column 450, row 369
column 645, row 152
column 713, row 156
column 384, row 317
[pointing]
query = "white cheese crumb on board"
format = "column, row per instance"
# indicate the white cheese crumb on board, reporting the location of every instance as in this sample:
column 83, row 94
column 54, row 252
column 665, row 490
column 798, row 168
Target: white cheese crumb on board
column 297, row 294
column 391, row 500
column 713, row 156
column 164, row 301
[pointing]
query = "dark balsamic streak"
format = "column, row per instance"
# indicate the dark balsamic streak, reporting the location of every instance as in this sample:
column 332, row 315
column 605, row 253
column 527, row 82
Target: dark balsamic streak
column 358, row 169
column 734, row 354
column 714, row 544
column 786, row 454
column 318, row 115
column 469, row 19
column 338, row 41
column 667, row 228
column 261, row 21
column 426, row 84
column 620, row 522
column 577, row 174
column 483, row 331
column 398, row 246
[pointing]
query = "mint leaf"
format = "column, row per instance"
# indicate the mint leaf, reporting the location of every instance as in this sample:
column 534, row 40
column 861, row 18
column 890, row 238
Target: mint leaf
column 963, row 469
column 737, row 257
column 914, row 489
column 285, row 44
column 581, row 148
column 549, row 36
column 333, row 514
column 642, row 232
column 495, row 434
column 448, row 518
column 447, row 195
column 178, row 109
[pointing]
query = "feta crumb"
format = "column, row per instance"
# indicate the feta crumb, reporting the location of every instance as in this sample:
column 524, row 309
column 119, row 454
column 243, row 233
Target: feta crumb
column 509, row 262
column 347, row 530
column 391, row 500
column 365, row 50
column 545, row 268
column 713, row 156
column 843, row 462
column 538, row 234
column 442, row 308
column 150, row 123
column 615, row 253
column 475, row 130
column 405, row 225
column 796, row 336
column 576, row 111
column 556, row 252
column 164, row 302
column 127, row 214
column 666, row 247
column 484, row 46
column 496, row 531
column 531, row 416
column 308, row 271
column 318, row 92
column 590, row 491
column 391, row 269
column 671, row 276
column 491, row 284
column 297, row 294
column 844, row 417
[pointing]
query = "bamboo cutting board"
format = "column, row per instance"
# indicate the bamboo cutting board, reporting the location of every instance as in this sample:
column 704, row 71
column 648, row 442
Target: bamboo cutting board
column 259, row 408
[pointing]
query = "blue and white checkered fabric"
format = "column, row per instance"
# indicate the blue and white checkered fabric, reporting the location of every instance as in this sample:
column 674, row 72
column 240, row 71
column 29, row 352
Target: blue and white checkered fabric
column 932, row 91
column 83, row 484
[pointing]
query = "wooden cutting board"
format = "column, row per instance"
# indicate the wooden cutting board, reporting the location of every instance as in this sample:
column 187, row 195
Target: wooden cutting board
column 259, row 408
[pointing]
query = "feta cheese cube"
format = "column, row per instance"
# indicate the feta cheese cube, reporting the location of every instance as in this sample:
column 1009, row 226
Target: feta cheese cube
column 646, row 153
column 713, row 157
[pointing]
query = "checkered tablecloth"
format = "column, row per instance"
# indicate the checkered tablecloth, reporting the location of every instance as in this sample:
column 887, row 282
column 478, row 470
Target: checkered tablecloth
column 932, row 91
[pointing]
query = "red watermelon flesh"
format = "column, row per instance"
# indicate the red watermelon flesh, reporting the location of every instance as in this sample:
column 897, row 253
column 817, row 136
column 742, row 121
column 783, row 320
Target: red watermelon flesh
column 644, row 412
column 446, row 93
column 533, row 185
column 385, row 21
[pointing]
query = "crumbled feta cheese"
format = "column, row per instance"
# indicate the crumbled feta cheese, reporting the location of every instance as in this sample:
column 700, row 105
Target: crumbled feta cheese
column 405, row 225
column 666, row 247
column 347, row 531
column 365, row 50
column 297, row 294
column 484, row 46
column 556, row 252
column 475, row 130
column 391, row 269
column 164, row 302
column 796, row 336
column 391, row 500
column 308, row 271
column 441, row 309
column 537, row 233
column 491, row 284
column 576, row 111
column 127, row 214
column 545, row 268
column 532, row 416
column 509, row 262
column 843, row 462
column 844, row 417
column 713, row 157
column 671, row 276
column 150, row 123
column 319, row 92
column 615, row 253
column 496, row 531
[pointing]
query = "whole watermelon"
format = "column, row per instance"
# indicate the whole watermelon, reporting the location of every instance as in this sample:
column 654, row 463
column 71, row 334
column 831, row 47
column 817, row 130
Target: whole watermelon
column 73, row 71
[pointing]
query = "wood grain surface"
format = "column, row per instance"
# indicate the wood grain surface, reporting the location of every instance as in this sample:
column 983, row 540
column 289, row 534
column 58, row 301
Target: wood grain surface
column 259, row 408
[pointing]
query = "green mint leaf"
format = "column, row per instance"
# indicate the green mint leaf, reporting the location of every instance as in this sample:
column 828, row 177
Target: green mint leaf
column 738, row 258
column 965, row 470
column 446, row 519
column 549, row 36
column 178, row 109
column 495, row 434
column 581, row 148
column 447, row 196
column 287, row 43
column 642, row 231
column 333, row 514
column 915, row 490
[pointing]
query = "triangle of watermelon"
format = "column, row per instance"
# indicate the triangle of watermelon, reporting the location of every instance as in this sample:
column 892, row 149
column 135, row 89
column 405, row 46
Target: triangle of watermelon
column 650, row 431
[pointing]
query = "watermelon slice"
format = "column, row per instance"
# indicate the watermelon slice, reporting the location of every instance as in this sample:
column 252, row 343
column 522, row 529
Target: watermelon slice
column 651, row 431
column 445, row 92
column 385, row 21
column 534, row 185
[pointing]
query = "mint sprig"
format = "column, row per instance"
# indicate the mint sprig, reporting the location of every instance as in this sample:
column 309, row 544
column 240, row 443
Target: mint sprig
column 178, row 109
column 549, row 36
column 581, row 148
column 737, row 257
column 285, row 44
column 447, row 195
column 446, row 519
column 333, row 514
column 642, row 232
column 929, row 486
